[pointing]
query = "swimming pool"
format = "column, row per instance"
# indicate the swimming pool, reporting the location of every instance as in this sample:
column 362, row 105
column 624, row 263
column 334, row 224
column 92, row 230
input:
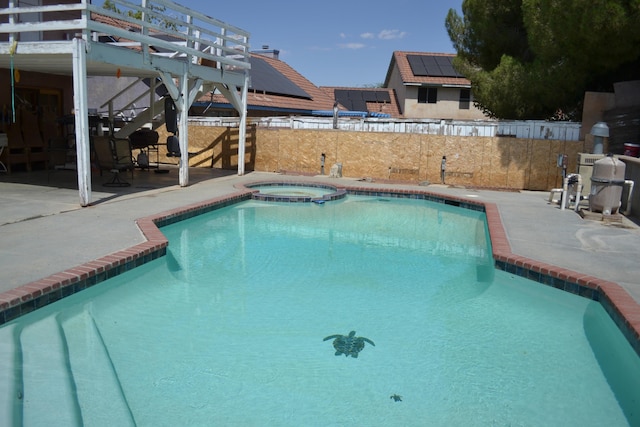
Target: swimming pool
column 235, row 315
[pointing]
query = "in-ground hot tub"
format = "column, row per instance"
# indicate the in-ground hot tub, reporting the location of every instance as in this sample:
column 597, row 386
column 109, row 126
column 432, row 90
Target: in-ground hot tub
column 296, row 192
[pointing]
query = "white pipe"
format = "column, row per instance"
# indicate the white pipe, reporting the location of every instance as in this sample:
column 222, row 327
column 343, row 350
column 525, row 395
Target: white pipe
column 552, row 192
column 630, row 183
column 563, row 198
column 565, row 191
column 578, row 193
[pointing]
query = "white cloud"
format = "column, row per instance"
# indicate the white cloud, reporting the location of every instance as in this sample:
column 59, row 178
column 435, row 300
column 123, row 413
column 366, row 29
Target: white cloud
column 391, row 34
column 368, row 36
column 352, row 45
column 343, row 36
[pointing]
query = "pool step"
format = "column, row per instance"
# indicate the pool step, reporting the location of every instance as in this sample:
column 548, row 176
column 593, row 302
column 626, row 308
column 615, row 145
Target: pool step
column 100, row 395
column 48, row 396
column 56, row 370
column 174, row 267
column 10, row 378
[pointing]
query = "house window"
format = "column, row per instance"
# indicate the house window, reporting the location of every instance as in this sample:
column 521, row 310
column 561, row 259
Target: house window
column 427, row 95
column 465, row 98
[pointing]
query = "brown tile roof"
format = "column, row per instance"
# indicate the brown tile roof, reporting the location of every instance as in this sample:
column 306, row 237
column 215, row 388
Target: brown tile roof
column 389, row 108
column 113, row 22
column 122, row 24
column 265, row 101
column 400, row 58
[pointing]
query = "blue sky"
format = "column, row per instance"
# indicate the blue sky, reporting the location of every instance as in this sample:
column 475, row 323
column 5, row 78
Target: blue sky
column 338, row 43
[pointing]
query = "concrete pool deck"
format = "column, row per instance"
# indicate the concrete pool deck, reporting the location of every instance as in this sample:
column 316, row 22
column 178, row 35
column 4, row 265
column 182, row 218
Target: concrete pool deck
column 46, row 235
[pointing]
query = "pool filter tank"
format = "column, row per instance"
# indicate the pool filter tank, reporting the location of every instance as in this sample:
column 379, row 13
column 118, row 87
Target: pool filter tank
column 607, row 181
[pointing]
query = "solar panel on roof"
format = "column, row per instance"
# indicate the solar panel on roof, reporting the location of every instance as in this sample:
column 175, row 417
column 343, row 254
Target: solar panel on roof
column 432, row 66
column 265, row 78
column 383, row 96
column 356, row 100
column 416, row 64
column 429, row 66
column 429, row 61
column 369, row 96
column 448, row 70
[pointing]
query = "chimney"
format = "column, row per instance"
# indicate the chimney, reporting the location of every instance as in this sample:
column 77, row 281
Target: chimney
column 265, row 51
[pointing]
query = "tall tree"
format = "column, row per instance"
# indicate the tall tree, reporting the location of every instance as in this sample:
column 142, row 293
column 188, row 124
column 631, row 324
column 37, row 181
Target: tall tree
column 159, row 10
column 530, row 59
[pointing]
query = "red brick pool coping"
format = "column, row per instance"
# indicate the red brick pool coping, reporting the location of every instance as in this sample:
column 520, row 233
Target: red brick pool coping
column 622, row 308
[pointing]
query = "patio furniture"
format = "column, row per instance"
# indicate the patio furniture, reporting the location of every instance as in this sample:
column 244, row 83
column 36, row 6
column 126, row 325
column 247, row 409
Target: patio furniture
column 145, row 140
column 38, row 156
column 60, row 153
column 115, row 156
column 17, row 153
column 173, row 146
column 4, row 141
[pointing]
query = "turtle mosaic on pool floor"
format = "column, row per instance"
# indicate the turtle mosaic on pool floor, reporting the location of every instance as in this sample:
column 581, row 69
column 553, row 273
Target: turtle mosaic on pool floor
column 349, row 345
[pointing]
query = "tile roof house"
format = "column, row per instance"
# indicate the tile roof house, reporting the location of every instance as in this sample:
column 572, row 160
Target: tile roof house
column 275, row 89
column 428, row 87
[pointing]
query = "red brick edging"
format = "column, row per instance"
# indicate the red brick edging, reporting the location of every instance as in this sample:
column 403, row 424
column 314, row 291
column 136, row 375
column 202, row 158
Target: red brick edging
column 622, row 308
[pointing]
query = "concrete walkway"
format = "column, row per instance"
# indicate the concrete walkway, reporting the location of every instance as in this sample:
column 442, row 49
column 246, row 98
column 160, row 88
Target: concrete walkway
column 44, row 230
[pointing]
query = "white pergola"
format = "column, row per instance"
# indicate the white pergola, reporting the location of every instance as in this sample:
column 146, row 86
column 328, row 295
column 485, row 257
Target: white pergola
column 190, row 52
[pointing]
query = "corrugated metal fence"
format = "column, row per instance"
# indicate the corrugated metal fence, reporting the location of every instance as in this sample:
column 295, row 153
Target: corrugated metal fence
column 530, row 129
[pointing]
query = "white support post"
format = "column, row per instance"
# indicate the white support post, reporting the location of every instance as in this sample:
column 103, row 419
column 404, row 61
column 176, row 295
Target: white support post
column 242, row 134
column 173, row 90
column 145, row 31
column 194, row 91
column 152, row 98
column 12, row 21
column 183, row 130
column 81, row 111
column 183, row 111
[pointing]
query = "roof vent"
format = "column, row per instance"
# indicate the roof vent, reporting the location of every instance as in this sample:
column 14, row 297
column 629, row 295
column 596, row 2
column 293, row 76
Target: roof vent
column 265, row 51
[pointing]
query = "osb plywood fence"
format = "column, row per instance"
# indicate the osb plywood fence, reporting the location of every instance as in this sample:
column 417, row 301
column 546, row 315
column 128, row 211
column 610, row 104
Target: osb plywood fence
column 490, row 162
column 534, row 129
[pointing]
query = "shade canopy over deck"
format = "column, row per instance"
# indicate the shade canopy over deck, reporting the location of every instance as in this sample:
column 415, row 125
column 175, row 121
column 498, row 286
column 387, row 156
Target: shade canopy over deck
column 189, row 51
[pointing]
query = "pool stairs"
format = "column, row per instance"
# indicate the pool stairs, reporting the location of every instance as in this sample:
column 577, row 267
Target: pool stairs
column 56, row 370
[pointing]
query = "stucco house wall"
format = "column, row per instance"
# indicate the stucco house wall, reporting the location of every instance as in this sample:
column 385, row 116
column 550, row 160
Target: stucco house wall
column 446, row 107
column 395, row 83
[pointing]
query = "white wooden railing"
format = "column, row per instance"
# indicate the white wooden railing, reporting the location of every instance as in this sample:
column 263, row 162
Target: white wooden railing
column 164, row 28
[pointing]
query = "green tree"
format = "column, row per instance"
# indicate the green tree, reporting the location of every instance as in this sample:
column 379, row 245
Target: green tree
column 159, row 10
column 530, row 59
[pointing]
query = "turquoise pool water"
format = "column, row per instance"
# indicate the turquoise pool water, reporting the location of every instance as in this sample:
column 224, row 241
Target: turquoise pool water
column 228, row 329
